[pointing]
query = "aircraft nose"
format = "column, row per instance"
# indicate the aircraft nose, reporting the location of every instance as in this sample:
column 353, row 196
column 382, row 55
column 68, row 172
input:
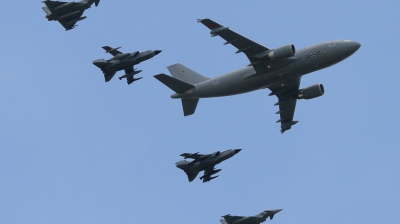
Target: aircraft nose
column 351, row 47
column 354, row 45
column 157, row 52
column 237, row 150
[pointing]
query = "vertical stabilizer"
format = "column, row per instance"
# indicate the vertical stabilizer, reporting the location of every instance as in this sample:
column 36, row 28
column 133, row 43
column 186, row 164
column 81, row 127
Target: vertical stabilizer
column 189, row 106
column 186, row 74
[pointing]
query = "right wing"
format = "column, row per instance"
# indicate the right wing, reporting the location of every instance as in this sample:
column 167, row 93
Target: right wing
column 113, row 51
column 254, row 51
column 195, row 156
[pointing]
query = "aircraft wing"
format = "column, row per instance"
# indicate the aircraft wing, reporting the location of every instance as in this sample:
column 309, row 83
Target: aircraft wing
column 129, row 78
column 207, row 174
column 231, row 218
column 195, row 156
column 112, row 51
column 286, row 103
column 254, row 51
column 191, row 176
column 52, row 5
column 108, row 75
column 69, row 23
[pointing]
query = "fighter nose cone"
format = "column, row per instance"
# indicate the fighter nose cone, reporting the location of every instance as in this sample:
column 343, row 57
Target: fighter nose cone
column 278, row 210
column 157, row 52
column 237, row 150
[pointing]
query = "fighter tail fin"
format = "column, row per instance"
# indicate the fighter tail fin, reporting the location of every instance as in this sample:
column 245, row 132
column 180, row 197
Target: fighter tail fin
column 185, row 74
column 46, row 10
column 96, row 2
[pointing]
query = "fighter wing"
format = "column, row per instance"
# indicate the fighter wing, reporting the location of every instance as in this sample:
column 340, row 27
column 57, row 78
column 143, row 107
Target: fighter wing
column 113, row 51
column 231, row 218
column 207, row 174
column 129, row 73
column 195, row 156
column 191, row 176
column 52, row 5
column 254, row 51
column 69, row 22
column 286, row 93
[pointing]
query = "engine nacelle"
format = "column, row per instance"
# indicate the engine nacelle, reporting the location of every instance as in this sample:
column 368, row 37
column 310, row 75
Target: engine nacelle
column 286, row 51
column 311, row 92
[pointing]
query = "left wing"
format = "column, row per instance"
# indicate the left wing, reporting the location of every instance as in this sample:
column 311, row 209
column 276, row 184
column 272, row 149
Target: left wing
column 254, row 51
column 52, row 5
column 286, row 93
column 69, row 22
column 232, row 218
column 207, row 174
column 129, row 73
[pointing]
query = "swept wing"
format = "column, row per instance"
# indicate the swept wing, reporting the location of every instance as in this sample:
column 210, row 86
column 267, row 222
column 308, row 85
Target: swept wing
column 285, row 92
column 255, row 53
column 66, row 19
column 112, row 51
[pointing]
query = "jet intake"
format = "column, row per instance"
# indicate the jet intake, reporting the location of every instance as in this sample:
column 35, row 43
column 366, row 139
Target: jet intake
column 282, row 52
column 311, row 92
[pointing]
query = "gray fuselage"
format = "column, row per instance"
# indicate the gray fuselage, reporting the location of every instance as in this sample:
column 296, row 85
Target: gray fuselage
column 128, row 61
column 306, row 60
column 211, row 161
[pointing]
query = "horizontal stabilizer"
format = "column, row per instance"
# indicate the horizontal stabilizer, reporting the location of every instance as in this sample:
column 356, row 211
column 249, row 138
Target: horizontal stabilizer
column 189, row 106
column 176, row 85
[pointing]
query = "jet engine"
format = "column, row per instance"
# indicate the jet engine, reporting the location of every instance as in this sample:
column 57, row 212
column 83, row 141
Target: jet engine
column 282, row 52
column 311, row 92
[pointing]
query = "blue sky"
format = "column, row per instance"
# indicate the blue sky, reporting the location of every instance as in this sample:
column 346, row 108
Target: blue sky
column 74, row 149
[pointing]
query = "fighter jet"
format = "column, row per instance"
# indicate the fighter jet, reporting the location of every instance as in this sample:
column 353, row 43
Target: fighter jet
column 257, row 219
column 67, row 13
column 279, row 70
column 122, row 61
column 202, row 162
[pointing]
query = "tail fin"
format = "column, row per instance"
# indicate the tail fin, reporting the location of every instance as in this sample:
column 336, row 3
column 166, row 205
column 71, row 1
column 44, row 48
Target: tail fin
column 96, row 2
column 189, row 106
column 185, row 74
column 46, row 10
